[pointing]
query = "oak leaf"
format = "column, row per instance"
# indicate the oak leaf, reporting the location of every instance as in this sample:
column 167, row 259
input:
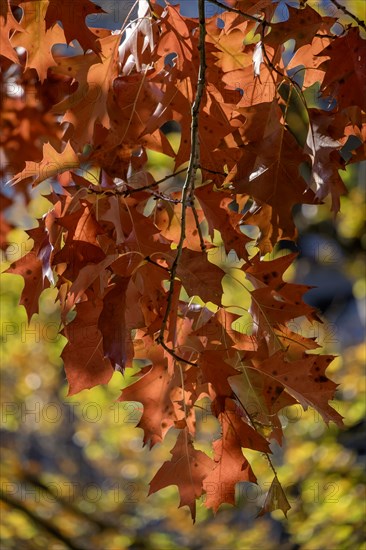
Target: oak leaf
column 117, row 318
column 345, row 70
column 154, row 391
column 52, row 163
column 8, row 24
column 187, row 469
column 301, row 26
column 30, row 267
column 306, row 380
column 37, row 39
column 200, row 277
column 88, row 105
column 231, row 465
column 72, row 17
column 83, row 356
column 276, row 499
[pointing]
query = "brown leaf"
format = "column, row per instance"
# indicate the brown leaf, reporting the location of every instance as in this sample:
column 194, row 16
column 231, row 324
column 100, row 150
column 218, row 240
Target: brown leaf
column 52, row 163
column 88, row 105
column 306, row 380
column 72, row 16
column 8, row 24
column 216, row 371
column 30, row 268
column 84, row 360
column 275, row 499
column 200, row 277
column 301, row 26
column 187, row 469
column 37, row 39
column 153, row 390
column 345, row 70
column 231, row 465
column 326, row 160
column 118, row 317
column 220, row 218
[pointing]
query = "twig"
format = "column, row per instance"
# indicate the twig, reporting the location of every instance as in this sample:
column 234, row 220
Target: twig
column 164, row 197
column 128, row 192
column 173, row 354
column 346, row 12
column 162, row 180
column 148, row 259
column 191, row 172
column 235, row 10
column 202, row 242
column 213, row 171
column 330, row 36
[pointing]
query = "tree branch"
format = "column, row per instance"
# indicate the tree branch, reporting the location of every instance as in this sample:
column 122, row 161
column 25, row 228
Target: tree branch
column 128, row 192
column 346, row 12
column 152, row 185
column 163, row 197
column 213, row 171
column 148, row 259
column 188, row 187
column 195, row 214
column 173, row 354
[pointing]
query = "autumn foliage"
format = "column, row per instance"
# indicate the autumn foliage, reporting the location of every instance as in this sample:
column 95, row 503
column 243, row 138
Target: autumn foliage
column 140, row 263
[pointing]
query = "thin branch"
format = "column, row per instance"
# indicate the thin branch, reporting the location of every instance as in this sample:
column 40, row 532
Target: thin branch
column 173, row 354
column 128, row 192
column 235, row 10
column 155, row 184
column 346, row 12
column 195, row 214
column 330, row 36
column 148, row 259
column 164, row 197
column 191, row 171
column 213, row 171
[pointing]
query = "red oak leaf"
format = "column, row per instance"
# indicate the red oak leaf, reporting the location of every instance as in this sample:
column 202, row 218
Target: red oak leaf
column 30, row 268
column 83, row 356
column 187, row 469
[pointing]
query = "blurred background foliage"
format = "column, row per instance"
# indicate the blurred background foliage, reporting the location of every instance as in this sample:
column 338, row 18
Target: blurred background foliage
column 74, row 474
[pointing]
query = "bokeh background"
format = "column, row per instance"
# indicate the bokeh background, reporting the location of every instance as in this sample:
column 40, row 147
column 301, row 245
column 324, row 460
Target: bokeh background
column 74, row 474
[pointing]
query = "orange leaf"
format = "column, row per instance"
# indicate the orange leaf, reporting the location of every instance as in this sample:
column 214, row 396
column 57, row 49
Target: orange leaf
column 187, row 469
column 53, row 163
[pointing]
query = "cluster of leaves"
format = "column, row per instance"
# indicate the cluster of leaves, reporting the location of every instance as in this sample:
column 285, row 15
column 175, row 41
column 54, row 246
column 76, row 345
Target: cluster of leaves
column 135, row 259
